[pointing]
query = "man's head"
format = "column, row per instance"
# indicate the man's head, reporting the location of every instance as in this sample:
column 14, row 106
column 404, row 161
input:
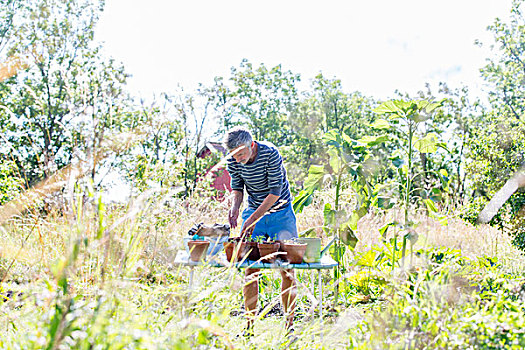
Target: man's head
column 239, row 142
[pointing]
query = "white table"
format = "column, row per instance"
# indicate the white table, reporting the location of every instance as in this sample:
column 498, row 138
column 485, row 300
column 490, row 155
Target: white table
column 219, row 260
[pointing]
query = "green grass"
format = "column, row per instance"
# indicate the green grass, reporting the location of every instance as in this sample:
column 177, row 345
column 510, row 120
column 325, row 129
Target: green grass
column 104, row 279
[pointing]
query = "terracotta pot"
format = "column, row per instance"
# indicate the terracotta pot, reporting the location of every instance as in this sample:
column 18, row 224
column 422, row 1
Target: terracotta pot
column 198, row 250
column 235, row 251
column 294, row 252
column 253, row 251
column 267, row 249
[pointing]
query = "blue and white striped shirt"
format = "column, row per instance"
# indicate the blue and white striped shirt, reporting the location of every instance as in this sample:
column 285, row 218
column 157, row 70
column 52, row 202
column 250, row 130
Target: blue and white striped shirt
column 265, row 175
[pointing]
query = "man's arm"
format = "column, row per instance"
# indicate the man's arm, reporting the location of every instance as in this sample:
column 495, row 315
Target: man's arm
column 249, row 225
column 234, row 210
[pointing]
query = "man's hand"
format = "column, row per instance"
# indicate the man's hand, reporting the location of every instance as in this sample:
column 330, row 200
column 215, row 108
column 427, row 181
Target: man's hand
column 233, row 215
column 248, row 227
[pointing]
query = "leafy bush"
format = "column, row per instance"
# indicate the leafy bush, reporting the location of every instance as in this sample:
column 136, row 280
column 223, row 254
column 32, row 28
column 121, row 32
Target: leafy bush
column 10, row 183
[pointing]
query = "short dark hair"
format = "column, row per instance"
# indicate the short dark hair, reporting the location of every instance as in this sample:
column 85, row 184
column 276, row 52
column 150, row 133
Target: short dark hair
column 236, row 137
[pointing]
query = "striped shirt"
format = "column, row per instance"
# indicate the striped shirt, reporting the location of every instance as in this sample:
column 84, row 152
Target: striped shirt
column 265, row 175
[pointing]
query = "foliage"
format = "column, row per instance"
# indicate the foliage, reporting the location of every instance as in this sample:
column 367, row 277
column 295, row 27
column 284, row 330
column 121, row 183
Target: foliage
column 454, row 303
column 11, row 185
column 61, row 107
column 159, row 134
column 98, row 275
column 323, row 108
column 257, row 97
column 506, row 71
column 408, row 116
column 349, row 164
column 497, row 147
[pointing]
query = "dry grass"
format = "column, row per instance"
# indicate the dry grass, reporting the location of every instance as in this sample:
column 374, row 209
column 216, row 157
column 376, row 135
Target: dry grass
column 472, row 241
column 35, row 244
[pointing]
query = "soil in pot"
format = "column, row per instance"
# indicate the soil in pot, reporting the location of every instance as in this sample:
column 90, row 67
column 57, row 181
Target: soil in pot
column 294, row 252
column 198, row 250
column 266, row 249
column 253, row 251
column 235, row 250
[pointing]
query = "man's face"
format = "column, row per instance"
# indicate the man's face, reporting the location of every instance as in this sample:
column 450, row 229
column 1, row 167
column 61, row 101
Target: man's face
column 242, row 154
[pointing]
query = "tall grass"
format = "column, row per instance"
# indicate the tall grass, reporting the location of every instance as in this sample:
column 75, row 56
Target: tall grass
column 90, row 275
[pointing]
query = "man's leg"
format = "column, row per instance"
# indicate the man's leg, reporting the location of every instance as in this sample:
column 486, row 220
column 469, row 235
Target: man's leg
column 251, row 294
column 288, row 295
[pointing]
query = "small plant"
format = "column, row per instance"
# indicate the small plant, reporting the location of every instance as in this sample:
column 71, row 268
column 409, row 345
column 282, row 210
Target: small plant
column 267, row 246
column 266, row 239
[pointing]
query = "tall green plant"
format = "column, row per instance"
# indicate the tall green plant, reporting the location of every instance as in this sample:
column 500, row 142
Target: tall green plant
column 405, row 117
column 348, row 165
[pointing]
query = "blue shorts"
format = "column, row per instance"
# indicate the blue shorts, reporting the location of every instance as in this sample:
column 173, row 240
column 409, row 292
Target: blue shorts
column 280, row 225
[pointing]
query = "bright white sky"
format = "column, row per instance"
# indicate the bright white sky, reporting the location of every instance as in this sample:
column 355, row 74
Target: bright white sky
column 374, row 46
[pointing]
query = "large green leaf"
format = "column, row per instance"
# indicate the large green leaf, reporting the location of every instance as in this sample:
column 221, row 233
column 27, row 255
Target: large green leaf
column 347, row 236
column 315, row 178
column 303, row 199
column 350, row 141
column 385, row 202
column 397, row 162
column 352, row 222
column 427, row 144
column 429, row 107
column 406, row 106
column 418, row 118
column 388, row 107
column 373, row 140
column 335, row 160
column 333, row 138
column 383, row 230
column 329, row 216
column 310, row 232
column 431, row 207
column 367, row 259
column 380, row 124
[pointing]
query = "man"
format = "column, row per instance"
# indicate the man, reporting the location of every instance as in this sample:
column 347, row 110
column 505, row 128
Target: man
column 258, row 167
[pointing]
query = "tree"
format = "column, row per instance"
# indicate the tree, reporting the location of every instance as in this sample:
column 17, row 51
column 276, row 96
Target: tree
column 263, row 98
column 324, row 107
column 506, row 72
column 497, row 149
column 68, row 96
column 158, row 133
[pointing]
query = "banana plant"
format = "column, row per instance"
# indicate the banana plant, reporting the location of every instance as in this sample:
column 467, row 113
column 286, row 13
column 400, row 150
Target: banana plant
column 348, row 165
column 404, row 118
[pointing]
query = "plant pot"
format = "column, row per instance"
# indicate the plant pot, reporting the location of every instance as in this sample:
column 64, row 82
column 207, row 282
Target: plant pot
column 235, row 250
column 294, row 252
column 266, row 249
column 313, row 249
column 198, row 250
column 253, row 251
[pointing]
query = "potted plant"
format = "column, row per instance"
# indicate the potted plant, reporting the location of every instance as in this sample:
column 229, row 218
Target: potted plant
column 267, row 247
column 252, row 249
column 198, row 248
column 235, row 249
column 294, row 251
